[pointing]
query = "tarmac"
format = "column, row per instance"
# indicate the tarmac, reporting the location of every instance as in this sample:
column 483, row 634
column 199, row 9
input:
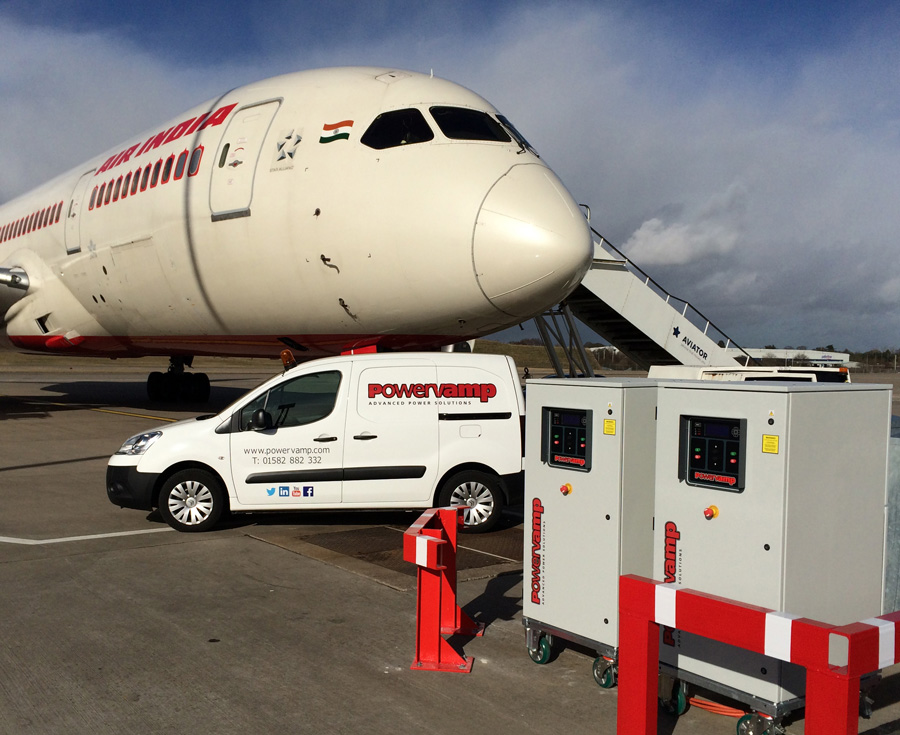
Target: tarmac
column 110, row 622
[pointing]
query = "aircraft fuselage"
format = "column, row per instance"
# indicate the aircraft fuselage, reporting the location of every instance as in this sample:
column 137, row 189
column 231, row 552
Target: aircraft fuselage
column 325, row 210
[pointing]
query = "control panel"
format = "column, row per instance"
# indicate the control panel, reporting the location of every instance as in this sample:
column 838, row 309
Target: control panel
column 566, row 434
column 712, row 451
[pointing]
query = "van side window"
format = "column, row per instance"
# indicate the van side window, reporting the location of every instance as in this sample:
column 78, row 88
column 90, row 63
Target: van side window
column 303, row 400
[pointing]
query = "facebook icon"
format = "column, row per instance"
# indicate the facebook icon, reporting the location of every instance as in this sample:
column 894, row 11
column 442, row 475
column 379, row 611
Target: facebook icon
column 307, row 491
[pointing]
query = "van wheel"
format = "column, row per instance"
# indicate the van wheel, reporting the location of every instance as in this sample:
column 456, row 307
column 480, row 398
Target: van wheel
column 191, row 500
column 480, row 493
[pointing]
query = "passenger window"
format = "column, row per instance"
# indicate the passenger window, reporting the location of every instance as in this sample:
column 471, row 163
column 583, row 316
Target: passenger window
column 155, row 178
column 194, row 166
column 297, row 402
column 167, row 169
column 460, row 123
column 400, row 127
column 136, row 181
column 179, row 167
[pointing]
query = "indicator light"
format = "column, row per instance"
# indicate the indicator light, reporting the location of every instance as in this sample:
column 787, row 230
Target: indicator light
column 711, row 512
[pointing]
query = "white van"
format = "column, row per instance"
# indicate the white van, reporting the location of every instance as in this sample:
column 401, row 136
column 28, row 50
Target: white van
column 408, row 430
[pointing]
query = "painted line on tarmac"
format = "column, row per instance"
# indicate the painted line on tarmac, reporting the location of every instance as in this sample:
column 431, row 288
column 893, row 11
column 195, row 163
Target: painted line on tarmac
column 68, row 539
column 98, row 410
column 103, row 410
column 136, row 415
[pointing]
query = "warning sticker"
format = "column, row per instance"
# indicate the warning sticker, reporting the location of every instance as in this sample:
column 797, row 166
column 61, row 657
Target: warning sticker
column 609, row 427
column 770, row 444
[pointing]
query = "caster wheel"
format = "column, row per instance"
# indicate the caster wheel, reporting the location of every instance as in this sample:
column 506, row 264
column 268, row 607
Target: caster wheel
column 541, row 654
column 681, row 699
column 678, row 704
column 605, row 672
column 752, row 724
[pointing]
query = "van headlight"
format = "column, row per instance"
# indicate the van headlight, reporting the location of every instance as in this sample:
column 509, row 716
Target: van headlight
column 139, row 443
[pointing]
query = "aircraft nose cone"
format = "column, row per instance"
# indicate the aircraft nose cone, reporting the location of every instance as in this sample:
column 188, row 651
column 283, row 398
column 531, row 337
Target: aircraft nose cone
column 532, row 245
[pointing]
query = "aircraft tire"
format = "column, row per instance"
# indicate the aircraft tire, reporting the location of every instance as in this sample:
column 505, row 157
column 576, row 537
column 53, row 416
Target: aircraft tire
column 178, row 387
column 155, row 386
column 201, row 387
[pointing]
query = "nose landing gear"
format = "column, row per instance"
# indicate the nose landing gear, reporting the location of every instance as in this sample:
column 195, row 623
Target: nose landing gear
column 177, row 386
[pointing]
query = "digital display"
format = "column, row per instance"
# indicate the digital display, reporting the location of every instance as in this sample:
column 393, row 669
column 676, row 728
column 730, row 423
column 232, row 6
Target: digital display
column 569, row 418
column 716, row 429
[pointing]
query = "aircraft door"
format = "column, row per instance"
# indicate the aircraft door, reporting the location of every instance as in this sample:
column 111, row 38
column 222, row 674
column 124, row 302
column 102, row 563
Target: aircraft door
column 298, row 461
column 74, row 213
column 231, row 185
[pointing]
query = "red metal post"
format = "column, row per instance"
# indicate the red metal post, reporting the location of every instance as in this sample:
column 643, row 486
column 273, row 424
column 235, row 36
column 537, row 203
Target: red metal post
column 636, row 712
column 453, row 619
column 430, row 543
column 832, row 703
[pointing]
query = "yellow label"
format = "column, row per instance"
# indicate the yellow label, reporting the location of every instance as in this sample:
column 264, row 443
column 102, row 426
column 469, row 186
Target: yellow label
column 609, row 426
column 770, row 444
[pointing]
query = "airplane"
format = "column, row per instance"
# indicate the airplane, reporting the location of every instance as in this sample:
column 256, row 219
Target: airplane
column 326, row 211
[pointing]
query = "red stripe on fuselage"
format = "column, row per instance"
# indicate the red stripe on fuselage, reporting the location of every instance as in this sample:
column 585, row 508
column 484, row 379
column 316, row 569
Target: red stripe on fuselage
column 317, row 345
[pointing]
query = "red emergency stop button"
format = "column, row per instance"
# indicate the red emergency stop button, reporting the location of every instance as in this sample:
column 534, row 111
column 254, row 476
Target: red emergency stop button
column 711, row 512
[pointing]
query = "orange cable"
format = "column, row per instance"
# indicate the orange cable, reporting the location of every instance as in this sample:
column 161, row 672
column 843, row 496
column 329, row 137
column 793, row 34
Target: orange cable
column 715, row 708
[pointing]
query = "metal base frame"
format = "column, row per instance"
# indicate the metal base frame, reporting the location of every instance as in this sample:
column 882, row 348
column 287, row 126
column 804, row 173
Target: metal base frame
column 534, row 629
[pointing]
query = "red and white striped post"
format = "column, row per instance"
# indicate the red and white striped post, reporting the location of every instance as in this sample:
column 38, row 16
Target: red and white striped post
column 835, row 658
column 430, row 544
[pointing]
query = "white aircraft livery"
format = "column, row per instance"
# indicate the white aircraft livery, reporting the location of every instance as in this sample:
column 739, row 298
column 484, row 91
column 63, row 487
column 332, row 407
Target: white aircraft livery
column 328, row 211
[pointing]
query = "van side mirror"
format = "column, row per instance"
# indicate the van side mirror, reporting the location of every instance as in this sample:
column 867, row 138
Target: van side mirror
column 260, row 420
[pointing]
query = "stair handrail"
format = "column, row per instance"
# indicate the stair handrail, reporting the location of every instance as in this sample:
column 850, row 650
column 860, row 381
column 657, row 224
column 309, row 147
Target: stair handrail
column 634, row 267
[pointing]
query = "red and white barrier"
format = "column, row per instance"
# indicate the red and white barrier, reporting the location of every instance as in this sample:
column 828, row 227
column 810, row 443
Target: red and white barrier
column 430, row 544
column 835, row 657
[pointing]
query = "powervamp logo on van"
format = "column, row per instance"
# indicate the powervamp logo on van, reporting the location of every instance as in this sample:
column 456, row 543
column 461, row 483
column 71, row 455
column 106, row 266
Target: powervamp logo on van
column 482, row 391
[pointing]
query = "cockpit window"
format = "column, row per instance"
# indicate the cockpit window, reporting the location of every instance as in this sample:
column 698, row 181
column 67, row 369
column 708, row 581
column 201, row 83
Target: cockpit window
column 459, row 123
column 395, row 128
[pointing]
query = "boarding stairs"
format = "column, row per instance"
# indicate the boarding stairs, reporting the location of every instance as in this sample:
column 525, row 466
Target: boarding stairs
column 632, row 312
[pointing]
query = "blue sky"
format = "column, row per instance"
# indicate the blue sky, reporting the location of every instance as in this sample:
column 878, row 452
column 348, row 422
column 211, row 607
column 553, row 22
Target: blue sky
column 745, row 154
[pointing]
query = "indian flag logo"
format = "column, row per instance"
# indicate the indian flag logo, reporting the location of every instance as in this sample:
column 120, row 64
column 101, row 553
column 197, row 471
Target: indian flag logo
column 336, row 131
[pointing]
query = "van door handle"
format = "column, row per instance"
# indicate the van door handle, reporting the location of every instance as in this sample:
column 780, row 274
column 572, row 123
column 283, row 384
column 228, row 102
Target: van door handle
column 365, row 436
column 324, row 438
